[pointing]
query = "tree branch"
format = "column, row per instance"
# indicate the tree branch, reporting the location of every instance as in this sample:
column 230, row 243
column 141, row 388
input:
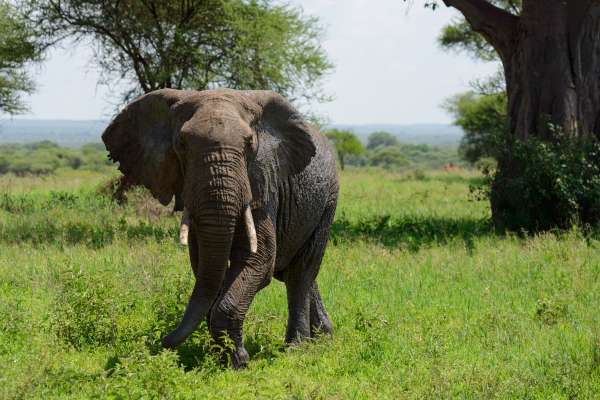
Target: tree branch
column 496, row 25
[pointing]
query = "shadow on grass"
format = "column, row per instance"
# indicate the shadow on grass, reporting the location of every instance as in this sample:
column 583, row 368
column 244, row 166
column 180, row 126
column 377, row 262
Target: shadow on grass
column 411, row 232
column 45, row 231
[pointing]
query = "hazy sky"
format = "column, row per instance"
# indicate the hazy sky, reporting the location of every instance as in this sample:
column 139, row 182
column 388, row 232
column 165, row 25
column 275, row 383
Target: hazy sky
column 389, row 68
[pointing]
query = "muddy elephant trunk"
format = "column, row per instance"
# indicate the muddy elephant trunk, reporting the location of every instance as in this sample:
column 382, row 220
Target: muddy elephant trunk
column 217, row 200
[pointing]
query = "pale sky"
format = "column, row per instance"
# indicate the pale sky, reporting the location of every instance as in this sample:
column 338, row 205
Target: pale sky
column 388, row 68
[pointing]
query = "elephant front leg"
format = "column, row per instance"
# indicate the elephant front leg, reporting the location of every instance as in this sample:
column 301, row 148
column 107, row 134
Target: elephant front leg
column 248, row 273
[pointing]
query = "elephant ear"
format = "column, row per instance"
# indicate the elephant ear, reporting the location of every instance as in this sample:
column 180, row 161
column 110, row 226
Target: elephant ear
column 293, row 142
column 141, row 138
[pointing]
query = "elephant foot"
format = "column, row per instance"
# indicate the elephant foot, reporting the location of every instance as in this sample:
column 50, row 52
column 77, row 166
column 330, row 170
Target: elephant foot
column 295, row 336
column 171, row 341
column 239, row 358
column 321, row 327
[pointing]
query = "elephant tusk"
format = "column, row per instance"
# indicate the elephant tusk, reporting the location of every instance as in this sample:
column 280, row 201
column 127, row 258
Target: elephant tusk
column 184, row 229
column 250, row 229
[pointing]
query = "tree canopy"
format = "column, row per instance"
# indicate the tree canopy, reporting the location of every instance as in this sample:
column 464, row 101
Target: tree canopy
column 381, row 138
column 483, row 120
column 346, row 143
column 388, row 157
column 201, row 44
column 18, row 48
column 460, row 36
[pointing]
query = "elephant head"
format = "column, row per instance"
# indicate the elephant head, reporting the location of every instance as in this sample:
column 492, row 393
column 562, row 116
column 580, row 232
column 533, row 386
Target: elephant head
column 222, row 150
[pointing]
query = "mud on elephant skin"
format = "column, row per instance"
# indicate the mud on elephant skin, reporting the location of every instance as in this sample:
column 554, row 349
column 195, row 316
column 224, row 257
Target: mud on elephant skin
column 260, row 190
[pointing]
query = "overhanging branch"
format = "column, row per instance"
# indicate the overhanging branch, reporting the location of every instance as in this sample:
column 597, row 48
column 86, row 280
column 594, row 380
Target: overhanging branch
column 495, row 24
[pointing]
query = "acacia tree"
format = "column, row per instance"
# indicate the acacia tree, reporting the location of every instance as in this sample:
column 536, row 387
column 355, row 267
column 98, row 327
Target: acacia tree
column 192, row 44
column 346, row 144
column 381, row 139
column 550, row 53
column 18, row 48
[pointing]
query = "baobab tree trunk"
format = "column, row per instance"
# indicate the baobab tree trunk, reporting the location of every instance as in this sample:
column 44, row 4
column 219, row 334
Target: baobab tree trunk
column 551, row 59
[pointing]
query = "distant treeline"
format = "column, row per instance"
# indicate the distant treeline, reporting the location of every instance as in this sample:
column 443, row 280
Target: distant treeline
column 44, row 158
column 385, row 150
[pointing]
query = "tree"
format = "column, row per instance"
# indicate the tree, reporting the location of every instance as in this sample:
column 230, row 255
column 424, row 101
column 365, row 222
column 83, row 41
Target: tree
column 550, row 53
column 388, row 157
column 197, row 44
column 483, row 120
column 381, row 138
column 345, row 143
column 18, row 48
column 482, row 111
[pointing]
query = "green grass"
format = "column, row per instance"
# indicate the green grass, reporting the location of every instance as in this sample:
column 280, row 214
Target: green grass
column 427, row 301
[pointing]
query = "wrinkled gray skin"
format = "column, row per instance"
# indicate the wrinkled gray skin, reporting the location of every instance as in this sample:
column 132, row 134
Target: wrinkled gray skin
column 224, row 150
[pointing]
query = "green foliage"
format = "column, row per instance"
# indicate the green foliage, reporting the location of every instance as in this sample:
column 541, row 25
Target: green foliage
column 459, row 36
column 484, row 120
column 345, row 143
column 44, row 158
column 390, row 157
column 549, row 185
column 384, row 150
column 482, row 112
column 18, row 49
column 381, row 138
column 257, row 44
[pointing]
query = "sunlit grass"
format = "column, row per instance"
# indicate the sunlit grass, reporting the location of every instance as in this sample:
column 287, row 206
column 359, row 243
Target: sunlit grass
column 427, row 302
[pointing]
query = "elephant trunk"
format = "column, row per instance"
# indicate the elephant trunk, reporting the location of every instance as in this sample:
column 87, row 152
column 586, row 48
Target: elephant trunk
column 222, row 194
column 184, row 229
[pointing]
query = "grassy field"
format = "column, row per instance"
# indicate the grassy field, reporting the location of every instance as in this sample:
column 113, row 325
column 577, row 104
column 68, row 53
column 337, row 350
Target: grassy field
column 427, row 301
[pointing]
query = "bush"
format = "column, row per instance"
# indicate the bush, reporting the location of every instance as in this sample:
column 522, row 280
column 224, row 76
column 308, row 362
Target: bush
column 540, row 185
column 388, row 157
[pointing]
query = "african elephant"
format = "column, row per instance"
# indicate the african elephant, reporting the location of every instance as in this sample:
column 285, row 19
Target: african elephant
column 260, row 188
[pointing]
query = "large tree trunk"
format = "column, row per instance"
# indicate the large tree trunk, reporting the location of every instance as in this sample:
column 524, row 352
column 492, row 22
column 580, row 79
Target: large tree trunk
column 553, row 71
column 551, row 58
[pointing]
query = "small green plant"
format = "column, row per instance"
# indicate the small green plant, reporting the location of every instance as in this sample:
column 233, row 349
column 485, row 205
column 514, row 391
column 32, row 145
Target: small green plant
column 549, row 311
column 17, row 204
column 84, row 311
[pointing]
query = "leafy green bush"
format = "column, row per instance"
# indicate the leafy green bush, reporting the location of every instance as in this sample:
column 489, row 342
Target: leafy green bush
column 540, row 185
column 388, row 157
column 84, row 313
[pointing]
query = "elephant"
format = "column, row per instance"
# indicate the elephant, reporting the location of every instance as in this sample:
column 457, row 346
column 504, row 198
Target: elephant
column 260, row 189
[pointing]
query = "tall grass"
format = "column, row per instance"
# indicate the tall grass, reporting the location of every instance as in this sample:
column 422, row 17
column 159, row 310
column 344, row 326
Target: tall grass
column 427, row 302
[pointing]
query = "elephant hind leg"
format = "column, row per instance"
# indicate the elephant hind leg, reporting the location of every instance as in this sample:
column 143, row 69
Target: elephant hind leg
column 319, row 320
column 306, row 314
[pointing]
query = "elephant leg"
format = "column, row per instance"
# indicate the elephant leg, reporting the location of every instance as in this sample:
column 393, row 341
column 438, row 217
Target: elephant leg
column 194, row 261
column 306, row 313
column 319, row 320
column 247, row 275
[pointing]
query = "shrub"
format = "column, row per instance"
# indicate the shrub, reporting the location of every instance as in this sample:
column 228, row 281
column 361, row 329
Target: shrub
column 84, row 312
column 390, row 157
column 547, row 185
